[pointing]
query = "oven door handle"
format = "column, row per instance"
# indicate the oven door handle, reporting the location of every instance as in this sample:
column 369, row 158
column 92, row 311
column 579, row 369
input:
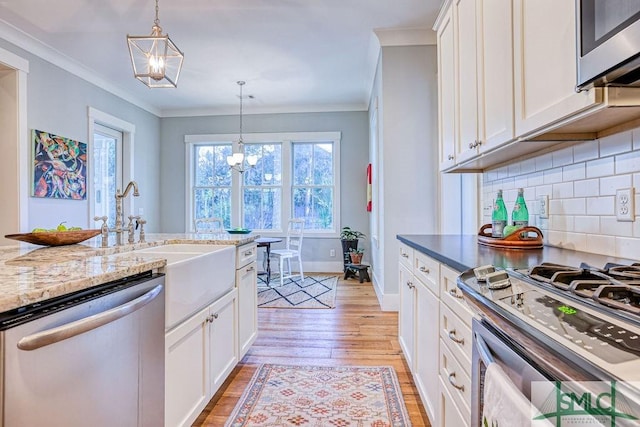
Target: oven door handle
column 483, row 350
column 61, row 333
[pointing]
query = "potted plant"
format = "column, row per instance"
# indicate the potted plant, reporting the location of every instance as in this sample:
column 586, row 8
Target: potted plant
column 356, row 255
column 349, row 238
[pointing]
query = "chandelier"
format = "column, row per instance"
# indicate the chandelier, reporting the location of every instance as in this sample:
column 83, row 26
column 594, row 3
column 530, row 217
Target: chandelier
column 156, row 59
column 238, row 160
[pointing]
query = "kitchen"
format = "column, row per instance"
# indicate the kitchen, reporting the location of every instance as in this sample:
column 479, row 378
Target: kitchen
column 579, row 178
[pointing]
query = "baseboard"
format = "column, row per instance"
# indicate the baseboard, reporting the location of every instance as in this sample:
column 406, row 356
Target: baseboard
column 388, row 302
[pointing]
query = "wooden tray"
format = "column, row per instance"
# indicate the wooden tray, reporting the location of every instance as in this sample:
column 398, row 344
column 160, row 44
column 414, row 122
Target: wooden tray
column 55, row 238
column 513, row 240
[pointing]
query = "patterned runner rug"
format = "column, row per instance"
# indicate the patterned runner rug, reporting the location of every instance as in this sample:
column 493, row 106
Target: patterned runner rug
column 321, row 396
column 313, row 292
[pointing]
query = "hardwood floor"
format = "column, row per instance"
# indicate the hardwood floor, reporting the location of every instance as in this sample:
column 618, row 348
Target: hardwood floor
column 356, row 332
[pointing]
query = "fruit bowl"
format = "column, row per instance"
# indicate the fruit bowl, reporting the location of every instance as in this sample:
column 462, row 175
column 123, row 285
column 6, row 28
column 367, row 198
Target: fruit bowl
column 55, row 238
column 238, row 231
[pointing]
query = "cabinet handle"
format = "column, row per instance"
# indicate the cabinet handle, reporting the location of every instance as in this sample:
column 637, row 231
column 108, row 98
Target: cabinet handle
column 454, row 338
column 455, row 294
column 410, row 285
column 424, row 269
column 404, row 255
column 211, row 318
column 479, row 143
column 452, row 381
column 472, row 145
column 450, row 157
column 250, row 269
column 248, row 253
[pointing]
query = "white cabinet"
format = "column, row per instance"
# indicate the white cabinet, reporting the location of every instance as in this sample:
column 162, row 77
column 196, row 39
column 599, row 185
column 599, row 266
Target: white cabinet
column 544, row 41
column 199, row 354
column 406, row 320
column 247, row 284
column 446, row 91
column 450, row 415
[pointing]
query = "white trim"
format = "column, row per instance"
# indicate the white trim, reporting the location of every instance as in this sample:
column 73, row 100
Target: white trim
column 388, row 302
column 36, row 47
column 128, row 137
column 14, row 61
column 24, row 151
column 213, row 138
column 227, row 111
column 405, row 36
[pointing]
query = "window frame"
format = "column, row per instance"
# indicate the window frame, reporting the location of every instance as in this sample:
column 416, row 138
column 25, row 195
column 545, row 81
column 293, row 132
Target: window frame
column 286, row 139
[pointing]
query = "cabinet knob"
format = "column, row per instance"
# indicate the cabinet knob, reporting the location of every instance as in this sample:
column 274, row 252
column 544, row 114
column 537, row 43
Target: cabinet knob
column 472, row 145
column 410, row 285
column 479, row 142
column 212, row 317
column 452, row 381
column 454, row 294
column 454, row 338
column 405, row 255
column 424, row 269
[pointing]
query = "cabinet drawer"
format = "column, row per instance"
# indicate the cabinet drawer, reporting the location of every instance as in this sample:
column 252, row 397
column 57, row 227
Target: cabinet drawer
column 456, row 380
column 456, row 335
column 451, row 295
column 405, row 255
column 427, row 270
column 246, row 254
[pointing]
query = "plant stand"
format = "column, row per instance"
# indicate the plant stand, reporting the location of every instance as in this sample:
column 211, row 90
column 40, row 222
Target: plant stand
column 361, row 271
column 346, row 246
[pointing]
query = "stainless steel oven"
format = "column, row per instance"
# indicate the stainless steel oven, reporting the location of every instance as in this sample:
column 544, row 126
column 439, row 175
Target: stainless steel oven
column 608, row 35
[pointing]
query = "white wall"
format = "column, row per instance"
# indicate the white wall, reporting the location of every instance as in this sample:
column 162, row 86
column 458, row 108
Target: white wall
column 57, row 102
column 406, row 87
column 353, row 162
column 581, row 182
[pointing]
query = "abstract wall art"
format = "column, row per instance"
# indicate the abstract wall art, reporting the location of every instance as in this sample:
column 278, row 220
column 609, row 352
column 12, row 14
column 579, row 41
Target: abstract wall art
column 59, row 167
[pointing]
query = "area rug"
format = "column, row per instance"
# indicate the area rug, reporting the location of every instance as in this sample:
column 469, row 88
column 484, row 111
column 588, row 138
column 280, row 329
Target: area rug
column 321, row 396
column 313, row 292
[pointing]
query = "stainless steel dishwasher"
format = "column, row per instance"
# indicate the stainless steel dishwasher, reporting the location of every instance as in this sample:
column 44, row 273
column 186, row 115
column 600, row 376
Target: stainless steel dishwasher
column 95, row 357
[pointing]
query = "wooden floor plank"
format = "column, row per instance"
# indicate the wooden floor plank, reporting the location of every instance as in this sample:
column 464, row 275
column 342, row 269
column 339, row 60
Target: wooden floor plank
column 356, row 332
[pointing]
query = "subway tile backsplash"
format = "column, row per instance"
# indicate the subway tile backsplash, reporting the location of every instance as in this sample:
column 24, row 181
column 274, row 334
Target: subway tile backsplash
column 581, row 182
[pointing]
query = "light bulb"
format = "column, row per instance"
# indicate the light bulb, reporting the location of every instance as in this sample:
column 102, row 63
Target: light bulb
column 230, row 160
column 252, row 160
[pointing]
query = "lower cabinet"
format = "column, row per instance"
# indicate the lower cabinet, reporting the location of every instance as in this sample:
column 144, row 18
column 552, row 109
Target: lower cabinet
column 406, row 318
column 199, row 354
column 247, row 284
column 450, row 415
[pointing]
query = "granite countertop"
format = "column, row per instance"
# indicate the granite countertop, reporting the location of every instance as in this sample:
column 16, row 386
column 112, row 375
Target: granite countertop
column 31, row 273
column 462, row 252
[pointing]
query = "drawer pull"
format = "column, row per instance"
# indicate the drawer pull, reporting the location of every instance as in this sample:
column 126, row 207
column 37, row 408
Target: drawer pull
column 455, row 294
column 410, row 284
column 450, row 157
column 250, row 269
column 248, row 253
column 454, row 338
column 404, row 255
column 424, row 269
column 211, row 318
column 452, row 381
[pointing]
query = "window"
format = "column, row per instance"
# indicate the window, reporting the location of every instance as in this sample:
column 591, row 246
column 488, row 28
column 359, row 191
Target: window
column 297, row 176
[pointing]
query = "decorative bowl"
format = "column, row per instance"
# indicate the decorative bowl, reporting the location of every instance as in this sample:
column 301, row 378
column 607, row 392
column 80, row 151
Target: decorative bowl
column 238, row 231
column 55, row 238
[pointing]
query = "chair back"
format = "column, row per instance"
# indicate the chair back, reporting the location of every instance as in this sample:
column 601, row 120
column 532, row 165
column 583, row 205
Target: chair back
column 295, row 231
column 208, row 225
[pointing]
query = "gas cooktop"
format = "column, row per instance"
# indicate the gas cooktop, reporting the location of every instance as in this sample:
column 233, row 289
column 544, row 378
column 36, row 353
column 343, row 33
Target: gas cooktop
column 593, row 312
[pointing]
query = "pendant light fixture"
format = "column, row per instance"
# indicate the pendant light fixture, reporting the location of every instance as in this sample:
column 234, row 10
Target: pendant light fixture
column 155, row 58
column 238, row 160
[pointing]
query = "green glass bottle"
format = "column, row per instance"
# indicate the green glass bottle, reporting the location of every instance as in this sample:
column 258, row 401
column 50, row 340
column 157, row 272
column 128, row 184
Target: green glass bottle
column 498, row 217
column 520, row 214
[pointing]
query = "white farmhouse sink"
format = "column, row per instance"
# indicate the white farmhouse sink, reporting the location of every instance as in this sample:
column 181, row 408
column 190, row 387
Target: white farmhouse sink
column 196, row 275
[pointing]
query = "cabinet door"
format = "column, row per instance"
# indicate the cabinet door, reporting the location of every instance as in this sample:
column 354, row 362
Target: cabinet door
column 406, row 314
column 450, row 415
column 466, row 27
column 247, row 282
column 447, row 92
column 495, row 72
column 186, row 367
column 223, row 344
column 426, row 363
column 545, row 64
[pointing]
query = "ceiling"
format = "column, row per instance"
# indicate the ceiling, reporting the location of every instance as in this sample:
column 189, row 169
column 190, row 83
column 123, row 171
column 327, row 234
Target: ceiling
column 295, row 55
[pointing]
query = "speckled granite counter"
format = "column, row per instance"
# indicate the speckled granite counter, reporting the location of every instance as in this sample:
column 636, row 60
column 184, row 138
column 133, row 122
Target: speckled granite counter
column 31, row 273
column 462, row 252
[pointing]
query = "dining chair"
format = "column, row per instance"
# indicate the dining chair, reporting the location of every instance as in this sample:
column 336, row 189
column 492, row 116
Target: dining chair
column 293, row 249
column 208, row 225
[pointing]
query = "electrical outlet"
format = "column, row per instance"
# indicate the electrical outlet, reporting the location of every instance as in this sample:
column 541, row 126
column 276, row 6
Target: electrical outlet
column 332, row 252
column 625, row 209
column 543, row 206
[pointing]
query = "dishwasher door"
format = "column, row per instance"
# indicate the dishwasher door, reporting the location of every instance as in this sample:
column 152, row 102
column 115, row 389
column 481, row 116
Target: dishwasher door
column 99, row 363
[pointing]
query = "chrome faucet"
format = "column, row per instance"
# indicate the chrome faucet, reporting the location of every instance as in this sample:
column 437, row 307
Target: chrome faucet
column 119, row 212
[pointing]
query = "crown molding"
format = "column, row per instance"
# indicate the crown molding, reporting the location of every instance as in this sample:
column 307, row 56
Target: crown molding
column 233, row 111
column 42, row 50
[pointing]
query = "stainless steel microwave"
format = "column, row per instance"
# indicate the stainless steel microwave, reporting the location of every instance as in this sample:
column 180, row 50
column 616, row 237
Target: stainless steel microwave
column 608, row 35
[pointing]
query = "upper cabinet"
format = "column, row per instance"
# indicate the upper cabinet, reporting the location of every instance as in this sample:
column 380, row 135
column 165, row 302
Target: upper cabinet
column 513, row 81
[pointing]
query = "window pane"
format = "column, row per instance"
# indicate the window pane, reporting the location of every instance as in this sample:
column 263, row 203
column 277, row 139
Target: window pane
column 315, row 206
column 302, row 164
column 268, row 170
column 213, row 202
column 262, row 208
column 211, row 165
column 105, row 176
column 323, row 164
